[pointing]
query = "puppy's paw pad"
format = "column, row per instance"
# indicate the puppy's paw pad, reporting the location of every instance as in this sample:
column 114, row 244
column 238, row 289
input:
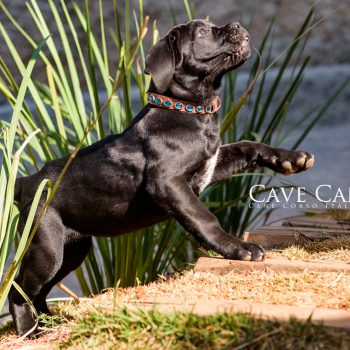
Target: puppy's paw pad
column 310, row 162
column 244, row 255
column 287, row 165
column 304, row 161
column 300, row 162
column 274, row 160
column 256, row 250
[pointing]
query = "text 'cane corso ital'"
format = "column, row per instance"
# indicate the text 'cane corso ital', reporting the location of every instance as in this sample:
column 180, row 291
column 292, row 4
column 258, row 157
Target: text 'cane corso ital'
column 152, row 171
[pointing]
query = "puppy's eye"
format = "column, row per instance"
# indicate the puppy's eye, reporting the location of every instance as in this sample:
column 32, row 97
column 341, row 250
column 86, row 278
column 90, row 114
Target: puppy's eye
column 202, row 31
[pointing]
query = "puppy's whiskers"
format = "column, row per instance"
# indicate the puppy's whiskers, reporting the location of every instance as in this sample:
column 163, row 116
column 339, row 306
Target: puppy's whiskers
column 257, row 52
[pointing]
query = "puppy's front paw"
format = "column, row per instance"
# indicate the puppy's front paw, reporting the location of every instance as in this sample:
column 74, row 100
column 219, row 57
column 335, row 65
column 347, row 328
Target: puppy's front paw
column 289, row 162
column 247, row 252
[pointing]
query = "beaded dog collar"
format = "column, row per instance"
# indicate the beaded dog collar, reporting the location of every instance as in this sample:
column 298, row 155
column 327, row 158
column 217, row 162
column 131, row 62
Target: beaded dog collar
column 183, row 106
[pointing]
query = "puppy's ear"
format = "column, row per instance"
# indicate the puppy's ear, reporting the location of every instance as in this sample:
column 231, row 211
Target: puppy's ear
column 160, row 62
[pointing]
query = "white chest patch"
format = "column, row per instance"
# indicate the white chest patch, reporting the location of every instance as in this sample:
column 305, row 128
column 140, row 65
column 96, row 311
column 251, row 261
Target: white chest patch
column 208, row 172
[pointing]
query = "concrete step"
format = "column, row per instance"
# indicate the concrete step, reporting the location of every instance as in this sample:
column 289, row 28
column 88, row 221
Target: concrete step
column 221, row 266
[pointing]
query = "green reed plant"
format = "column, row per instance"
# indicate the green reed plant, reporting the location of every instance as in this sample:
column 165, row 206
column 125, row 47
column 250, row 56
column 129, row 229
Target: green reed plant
column 63, row 113
column 68, row 110
column 9, row 213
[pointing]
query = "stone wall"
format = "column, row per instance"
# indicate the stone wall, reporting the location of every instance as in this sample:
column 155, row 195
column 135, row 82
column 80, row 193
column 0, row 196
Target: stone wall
column 329, row 42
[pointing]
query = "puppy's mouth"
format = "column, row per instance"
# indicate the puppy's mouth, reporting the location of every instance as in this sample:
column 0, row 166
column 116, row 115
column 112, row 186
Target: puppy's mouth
column 239, row 56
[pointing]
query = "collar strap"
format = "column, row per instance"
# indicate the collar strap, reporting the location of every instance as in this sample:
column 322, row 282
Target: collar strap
column 183, row 106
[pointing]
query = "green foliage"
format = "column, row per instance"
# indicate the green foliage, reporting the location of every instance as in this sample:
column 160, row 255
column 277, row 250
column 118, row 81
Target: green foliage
column 69, row 112
column 124, row 329
column 9, row 214
column 68, row 119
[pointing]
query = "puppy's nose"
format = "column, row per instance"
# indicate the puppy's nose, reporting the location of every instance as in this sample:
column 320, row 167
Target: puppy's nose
column 234, row 25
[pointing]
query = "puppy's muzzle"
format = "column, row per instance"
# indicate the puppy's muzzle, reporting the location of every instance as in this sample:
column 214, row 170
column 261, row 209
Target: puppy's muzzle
column 239, row 40
column 236, row 34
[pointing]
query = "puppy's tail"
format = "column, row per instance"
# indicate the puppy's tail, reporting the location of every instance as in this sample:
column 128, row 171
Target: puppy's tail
column 18, row 189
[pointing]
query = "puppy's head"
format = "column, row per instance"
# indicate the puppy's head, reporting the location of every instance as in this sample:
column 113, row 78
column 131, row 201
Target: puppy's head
column 192, row 58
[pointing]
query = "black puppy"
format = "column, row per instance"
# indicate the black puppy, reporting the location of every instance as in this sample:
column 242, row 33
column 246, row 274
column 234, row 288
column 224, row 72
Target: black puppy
column 152, row 171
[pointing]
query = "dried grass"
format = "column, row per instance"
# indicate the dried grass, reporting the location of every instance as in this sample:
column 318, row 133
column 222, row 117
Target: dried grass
column 50, row 336
column 318, row 289
column 327, row 250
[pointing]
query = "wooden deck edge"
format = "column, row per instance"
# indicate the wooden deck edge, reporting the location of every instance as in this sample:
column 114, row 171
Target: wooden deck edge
column 283, row 236
column 303, row 229
column 329, row 317
column 316, row 222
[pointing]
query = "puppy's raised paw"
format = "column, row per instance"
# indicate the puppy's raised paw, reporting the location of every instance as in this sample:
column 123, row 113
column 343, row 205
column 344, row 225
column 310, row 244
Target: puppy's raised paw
column 303, row 162
column 290, row 162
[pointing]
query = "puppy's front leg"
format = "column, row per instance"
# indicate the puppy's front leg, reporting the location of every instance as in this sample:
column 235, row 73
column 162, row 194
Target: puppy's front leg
column 177, row 199
column 243, row 155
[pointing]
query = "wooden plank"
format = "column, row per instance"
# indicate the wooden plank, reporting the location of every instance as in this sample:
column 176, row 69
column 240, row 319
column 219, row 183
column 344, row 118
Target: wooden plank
column 317, row 222
column 220, row 266
column 330, row 317
column 283, row 236
column 303, row 229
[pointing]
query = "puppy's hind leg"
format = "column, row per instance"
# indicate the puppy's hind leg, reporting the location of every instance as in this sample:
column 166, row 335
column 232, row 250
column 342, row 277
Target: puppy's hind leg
column 40, row 264
column 75, row 250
